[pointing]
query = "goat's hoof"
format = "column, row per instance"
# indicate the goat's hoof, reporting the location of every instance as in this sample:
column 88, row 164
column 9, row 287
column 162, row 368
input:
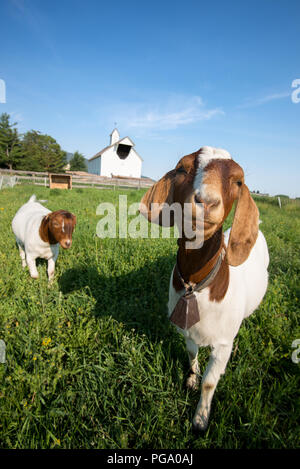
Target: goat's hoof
column 200, row 423
column 34, row 276
column 192, row 382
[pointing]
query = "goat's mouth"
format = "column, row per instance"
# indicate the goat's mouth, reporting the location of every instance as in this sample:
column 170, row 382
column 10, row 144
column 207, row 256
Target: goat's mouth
column 208, row 223
column 66, row 244
column 209, row 228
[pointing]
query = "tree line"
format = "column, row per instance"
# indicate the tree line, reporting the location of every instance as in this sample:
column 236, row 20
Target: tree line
column 33, row 151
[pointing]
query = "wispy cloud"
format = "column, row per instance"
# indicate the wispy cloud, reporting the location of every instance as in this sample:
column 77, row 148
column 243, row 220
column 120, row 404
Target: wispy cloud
column 33, row 18
column 167, row 114
column 174, row 119
column 254, row 102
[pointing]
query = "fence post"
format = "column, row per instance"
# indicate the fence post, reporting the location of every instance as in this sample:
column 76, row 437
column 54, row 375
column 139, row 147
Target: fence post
column 279, row 201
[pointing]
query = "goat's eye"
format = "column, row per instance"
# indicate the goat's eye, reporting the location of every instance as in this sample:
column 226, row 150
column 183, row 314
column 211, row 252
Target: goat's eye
column 239, row 183
column 181, row 170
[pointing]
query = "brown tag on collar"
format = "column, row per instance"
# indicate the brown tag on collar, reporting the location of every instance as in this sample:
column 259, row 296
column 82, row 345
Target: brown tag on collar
column 186, row 312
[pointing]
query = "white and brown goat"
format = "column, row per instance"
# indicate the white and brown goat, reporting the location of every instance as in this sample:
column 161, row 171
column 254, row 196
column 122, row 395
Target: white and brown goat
column 238, row 259
column 39, row 233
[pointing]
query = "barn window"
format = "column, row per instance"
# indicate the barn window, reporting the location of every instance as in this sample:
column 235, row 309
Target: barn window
column 123, row 151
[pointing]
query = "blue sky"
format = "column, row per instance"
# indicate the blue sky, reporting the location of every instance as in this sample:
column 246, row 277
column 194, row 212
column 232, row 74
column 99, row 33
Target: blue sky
column 174, row 75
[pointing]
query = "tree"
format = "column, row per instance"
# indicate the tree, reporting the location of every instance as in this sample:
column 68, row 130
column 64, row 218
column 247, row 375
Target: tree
column 10, row 144
column 77, row 163
column 42, row 153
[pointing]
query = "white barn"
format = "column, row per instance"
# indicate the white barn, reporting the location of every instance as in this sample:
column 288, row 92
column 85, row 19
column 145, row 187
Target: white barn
column 118, row 159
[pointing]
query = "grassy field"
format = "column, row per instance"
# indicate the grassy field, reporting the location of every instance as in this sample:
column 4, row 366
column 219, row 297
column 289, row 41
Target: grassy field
column 93, row 362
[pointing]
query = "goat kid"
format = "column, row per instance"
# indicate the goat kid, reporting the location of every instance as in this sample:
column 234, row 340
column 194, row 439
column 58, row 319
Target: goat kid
column 209, row 179
column 39, row 232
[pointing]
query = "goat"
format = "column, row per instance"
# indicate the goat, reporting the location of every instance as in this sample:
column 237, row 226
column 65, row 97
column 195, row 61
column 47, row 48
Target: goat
column 39, row 232
column 215, row 286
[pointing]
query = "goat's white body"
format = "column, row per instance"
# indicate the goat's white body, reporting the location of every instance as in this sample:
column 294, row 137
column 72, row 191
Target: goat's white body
column 220, row 321
column 25, row 225
column 215, row 181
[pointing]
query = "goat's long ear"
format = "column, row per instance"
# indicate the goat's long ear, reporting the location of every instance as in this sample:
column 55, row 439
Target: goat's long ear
column 74, row 220
column 244, row 230
column 153, row 202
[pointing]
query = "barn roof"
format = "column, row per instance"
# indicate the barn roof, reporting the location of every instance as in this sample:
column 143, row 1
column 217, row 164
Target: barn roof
column 100, row 153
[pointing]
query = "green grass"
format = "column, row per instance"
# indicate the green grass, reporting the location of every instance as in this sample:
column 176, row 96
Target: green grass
column 93, row 362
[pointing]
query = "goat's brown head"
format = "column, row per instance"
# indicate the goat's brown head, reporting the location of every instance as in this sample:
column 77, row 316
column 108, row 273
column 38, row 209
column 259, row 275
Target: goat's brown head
column 58, row 227
column 208, row 180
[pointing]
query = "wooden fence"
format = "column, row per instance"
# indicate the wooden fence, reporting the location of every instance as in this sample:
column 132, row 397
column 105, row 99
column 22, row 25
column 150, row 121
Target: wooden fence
column 80, row 181
column 280, row 201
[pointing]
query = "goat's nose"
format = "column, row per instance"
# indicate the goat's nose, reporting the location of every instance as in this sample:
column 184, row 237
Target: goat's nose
column 68, row 242
column 213, row 204
column 198, row 199
column 207, row 205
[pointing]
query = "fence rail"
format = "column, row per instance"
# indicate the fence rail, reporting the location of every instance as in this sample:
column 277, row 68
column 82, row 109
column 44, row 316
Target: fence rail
column 279, row 201
column 79, row 181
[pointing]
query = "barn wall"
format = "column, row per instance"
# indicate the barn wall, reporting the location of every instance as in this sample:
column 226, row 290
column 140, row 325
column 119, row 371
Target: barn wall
column 94, row 166
column 112, row 164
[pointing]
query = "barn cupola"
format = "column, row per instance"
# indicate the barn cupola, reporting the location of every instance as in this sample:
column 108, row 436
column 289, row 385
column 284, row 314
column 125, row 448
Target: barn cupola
column 114, row 136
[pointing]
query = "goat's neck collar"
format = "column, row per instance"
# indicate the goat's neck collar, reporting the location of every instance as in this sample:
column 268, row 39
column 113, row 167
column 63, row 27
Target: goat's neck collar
column 195, row 266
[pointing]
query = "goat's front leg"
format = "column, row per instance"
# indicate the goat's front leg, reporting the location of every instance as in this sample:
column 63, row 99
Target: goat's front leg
column 51, row 269
column 32, row 266
column 215, row 368
column 194, row 377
